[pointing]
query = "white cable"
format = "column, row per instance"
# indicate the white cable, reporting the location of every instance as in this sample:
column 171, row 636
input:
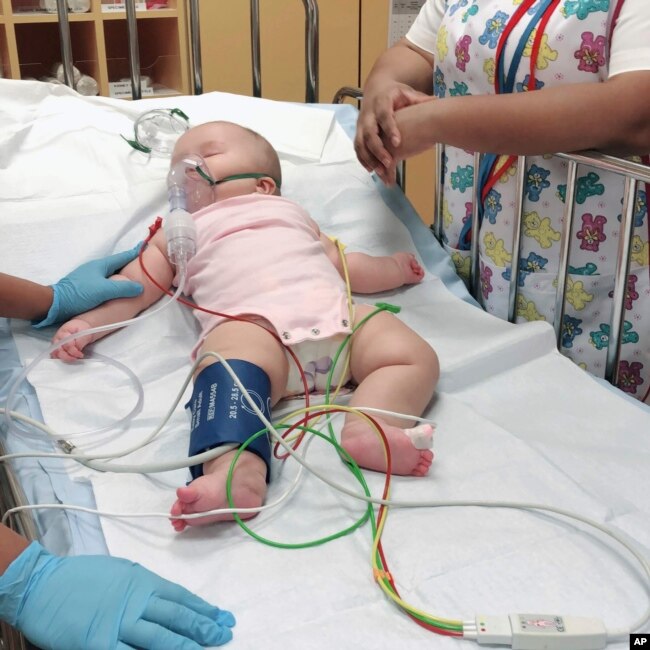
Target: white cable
column 612, row 635
column 86, row 458
column 165, row 515
column 615, row 634
column 90, row 460
column 395, row 414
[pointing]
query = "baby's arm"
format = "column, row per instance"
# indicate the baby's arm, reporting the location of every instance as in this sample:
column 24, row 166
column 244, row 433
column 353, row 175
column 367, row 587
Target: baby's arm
column 114, row 311
column 372, row 274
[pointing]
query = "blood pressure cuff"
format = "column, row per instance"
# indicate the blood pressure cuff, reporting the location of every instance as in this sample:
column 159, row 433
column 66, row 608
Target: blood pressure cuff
column 221, row 414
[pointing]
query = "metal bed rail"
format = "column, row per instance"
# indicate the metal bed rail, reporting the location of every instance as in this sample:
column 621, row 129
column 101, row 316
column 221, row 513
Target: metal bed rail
column 312, row 23
column 311, row 47
column 634, row 173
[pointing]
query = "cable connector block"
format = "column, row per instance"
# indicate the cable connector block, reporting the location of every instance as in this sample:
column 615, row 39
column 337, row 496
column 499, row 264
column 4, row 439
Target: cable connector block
column 541, row 632
column 65, row 446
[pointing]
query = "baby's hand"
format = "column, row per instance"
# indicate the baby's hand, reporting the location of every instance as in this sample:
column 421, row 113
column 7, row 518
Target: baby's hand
column 411, row 269
column 72, row 350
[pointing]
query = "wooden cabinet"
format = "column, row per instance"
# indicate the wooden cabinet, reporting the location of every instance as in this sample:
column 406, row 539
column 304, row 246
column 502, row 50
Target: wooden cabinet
column 226, row 47
column 30, row 43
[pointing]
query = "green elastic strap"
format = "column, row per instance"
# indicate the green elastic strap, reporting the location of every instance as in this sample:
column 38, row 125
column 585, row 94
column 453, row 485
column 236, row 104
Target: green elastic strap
column 234, row 177
column 144, row 149
column 136, row 145
column 179, row 112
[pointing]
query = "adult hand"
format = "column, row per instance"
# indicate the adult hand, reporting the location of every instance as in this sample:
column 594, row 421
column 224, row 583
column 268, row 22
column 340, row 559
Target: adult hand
column 377, row 130
column 100, row 602
column 87, row 286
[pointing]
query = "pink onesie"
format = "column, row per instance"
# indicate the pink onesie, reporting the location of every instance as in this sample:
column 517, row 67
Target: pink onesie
column 261, row 255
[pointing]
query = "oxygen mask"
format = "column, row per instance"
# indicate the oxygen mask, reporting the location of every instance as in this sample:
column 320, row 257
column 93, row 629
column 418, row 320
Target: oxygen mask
column 187, row 191
column 156, row 131
column 189, row 184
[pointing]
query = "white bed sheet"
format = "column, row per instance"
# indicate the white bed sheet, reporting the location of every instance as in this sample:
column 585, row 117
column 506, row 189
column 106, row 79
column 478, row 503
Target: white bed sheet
column 516, row 421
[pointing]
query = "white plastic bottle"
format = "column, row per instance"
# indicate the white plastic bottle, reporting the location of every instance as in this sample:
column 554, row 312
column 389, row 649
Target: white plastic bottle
column 76, row 6
column 87, row 86
column 79, row 6
column 58, row 73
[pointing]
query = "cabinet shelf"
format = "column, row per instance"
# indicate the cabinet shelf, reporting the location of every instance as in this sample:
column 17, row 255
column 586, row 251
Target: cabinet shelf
column 38, row 49
column 151, row 13
column 41, row 17
column 30, row 43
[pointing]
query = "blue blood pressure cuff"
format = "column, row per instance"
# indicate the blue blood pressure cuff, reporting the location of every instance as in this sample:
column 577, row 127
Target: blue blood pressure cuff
column 222, row 415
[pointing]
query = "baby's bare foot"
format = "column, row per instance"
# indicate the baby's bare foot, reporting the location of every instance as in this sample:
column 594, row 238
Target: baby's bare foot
column 366, row 448
column 208, row 492
column 413, row 272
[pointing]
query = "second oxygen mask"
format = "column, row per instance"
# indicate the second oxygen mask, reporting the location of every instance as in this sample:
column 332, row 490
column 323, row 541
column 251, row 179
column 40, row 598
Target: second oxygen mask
column 156, row 131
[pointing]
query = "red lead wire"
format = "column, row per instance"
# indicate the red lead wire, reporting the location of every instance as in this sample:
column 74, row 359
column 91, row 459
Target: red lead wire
column 153, row 229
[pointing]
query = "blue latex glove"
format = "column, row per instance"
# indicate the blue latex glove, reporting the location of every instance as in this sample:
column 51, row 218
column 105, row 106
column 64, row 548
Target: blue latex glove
column 87, row 286
column 96, row 602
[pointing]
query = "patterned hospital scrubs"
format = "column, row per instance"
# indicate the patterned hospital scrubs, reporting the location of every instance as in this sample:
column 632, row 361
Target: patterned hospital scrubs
column 573, row 50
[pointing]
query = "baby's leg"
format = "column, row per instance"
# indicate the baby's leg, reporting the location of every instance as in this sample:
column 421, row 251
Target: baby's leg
column 247, row 342
column 398, row 371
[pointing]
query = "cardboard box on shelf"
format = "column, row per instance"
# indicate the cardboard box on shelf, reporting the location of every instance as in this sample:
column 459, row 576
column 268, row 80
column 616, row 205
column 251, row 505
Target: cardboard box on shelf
column 122, row 89
column 140, row 5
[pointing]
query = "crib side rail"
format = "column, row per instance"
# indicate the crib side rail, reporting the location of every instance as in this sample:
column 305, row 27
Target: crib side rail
column 634, row 173
column 12, row 495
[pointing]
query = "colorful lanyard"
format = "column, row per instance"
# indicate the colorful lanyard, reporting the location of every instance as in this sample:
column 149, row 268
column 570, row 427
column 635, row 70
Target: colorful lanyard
column 489, row 171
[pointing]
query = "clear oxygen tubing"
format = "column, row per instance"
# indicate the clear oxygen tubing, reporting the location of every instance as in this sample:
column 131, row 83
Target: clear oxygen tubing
column 11, row 397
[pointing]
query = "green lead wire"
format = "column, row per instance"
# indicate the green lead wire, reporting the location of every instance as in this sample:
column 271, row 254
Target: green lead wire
column 380, row 307
column 317, row 542
column 354, row 468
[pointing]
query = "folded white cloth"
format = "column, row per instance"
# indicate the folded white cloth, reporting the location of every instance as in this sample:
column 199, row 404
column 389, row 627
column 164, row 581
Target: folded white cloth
column 293, row 129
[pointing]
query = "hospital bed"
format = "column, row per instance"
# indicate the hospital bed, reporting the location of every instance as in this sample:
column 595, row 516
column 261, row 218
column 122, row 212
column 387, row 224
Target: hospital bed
column 516, row 421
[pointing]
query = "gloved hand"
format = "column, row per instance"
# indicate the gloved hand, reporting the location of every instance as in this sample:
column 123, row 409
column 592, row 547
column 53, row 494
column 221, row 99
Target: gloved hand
column 96, row 602
column 87, row 286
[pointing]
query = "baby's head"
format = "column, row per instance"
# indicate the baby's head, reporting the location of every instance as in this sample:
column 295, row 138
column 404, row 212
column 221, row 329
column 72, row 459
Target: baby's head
column 229, row 149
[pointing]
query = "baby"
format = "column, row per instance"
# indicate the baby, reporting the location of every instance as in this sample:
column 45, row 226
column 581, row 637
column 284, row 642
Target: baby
column 262, row 259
